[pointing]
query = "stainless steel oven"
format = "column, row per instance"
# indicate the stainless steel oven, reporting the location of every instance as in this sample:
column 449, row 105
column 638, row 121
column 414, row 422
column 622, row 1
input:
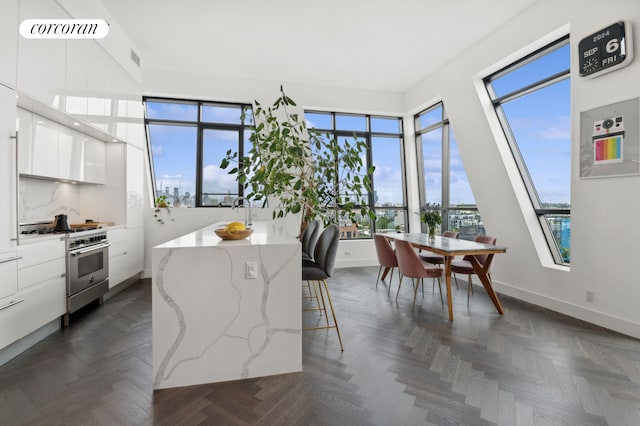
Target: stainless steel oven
column 87, row 269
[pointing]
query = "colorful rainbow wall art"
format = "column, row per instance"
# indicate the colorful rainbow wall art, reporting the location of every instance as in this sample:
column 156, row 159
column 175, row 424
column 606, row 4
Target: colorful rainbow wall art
column 607, row 149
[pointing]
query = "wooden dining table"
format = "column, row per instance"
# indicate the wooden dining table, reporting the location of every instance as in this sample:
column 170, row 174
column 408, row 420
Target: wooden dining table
column 451, row 247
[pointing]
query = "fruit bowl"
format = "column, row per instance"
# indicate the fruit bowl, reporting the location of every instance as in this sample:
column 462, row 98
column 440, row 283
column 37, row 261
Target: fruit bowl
column 237, row 235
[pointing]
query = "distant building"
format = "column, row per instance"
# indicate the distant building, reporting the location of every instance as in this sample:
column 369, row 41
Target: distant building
column 348, row 231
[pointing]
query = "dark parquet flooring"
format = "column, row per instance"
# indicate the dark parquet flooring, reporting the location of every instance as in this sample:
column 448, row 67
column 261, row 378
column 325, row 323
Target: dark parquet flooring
column 527, row 367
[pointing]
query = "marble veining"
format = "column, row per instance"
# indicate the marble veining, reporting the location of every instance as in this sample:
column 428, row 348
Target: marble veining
column 263, row 310
column 183, row 326
column 194, row 344
column 41, row 200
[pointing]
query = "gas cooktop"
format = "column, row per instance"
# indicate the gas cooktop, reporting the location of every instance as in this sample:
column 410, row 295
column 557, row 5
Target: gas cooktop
column 47, row 228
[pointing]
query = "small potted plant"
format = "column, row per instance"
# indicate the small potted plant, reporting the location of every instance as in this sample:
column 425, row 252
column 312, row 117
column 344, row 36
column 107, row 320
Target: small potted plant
column 430, row 214
column 162, row 201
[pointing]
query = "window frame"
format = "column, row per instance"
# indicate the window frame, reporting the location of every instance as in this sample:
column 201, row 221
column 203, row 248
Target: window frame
column 367, row 135
column 201, row 127
column 445, row 189
column 497, row 102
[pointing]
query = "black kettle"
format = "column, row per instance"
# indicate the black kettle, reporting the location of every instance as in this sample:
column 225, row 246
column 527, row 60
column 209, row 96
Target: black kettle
column 60, row 223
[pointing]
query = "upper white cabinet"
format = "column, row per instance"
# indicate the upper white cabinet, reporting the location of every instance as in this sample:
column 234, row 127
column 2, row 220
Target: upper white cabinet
column 77, row 82
column 38, row 145
column 50, row 150
column 9, row 37
column 42, row 63
column 70, row 155
column 98, row 106
column 94, row 160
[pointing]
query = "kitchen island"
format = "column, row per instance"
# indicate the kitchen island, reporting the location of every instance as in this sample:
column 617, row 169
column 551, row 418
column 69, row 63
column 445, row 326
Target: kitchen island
column 226, row 310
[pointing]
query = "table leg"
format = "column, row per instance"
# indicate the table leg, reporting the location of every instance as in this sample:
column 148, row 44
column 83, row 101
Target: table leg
column 482, row 273
column 447, row 274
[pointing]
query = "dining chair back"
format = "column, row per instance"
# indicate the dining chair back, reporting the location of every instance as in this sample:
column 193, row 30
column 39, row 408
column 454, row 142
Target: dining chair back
column 435, row 258
column 317, row 271
column 451, row 234
column 309, row 238
column 386, row 258
column 410, row 265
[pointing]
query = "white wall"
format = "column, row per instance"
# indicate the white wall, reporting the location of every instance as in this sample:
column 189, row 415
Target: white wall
column 604, row 228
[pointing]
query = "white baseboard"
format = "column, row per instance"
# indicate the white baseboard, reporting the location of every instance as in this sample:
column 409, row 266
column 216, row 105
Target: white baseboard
column 601, row 319
column 353, row 263
column 16, row 348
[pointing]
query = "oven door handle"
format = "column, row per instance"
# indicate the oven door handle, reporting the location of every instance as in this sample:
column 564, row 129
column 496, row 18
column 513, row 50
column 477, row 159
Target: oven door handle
column 88, row 249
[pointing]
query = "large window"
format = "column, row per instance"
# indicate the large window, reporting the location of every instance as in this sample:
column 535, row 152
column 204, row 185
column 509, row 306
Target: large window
column 188, row 141
column 532, row 100
column 443, row 180
column 383, row 136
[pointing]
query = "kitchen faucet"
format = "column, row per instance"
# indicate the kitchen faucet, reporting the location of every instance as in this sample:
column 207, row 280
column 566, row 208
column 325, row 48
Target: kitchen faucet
column 247, row 221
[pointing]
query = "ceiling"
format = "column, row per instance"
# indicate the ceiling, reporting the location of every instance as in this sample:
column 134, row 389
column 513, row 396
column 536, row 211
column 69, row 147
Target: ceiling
column 385, row 45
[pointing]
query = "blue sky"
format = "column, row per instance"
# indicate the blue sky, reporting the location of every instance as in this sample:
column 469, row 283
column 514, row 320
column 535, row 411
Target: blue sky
column 540, row 122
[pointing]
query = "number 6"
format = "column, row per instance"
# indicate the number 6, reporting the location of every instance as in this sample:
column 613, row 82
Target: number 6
column 612, row 45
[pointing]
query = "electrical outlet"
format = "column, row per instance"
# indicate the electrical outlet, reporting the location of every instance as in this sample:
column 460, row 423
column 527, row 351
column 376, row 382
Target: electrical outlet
column 252, row 270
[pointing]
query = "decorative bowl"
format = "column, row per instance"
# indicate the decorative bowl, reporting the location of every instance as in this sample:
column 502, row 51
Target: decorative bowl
column 238, row 235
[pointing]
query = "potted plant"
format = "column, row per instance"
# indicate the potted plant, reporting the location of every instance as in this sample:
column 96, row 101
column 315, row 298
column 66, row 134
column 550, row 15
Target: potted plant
column 161, row 201
column 430, row 214
column 300, row 170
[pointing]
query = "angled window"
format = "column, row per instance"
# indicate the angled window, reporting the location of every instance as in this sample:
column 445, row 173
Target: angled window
column 383, row 136
column 532, row 101
column 443, row 179
column 188, row 141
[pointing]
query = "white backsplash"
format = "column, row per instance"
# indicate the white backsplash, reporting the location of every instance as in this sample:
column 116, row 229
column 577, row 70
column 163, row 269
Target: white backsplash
column 42, row 200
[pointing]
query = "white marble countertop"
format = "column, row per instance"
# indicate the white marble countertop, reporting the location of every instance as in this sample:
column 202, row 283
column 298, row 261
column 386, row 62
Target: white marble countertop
column 264, row 233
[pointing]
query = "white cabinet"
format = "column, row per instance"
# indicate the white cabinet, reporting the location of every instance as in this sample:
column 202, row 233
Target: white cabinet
column 28, row 310
column 70, row 154
column 40, row 295
column 8, row 219
column 9, row 274
column 40, row 262
column 97, row 107
column 135, row 187
column 41, row 63
column 94, row 160
column 38, row 145
column 48, row 149
column 77, row 77
column 9, row 37
column 126, row 254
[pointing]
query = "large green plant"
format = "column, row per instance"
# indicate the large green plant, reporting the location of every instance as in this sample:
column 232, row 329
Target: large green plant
column 301, row 170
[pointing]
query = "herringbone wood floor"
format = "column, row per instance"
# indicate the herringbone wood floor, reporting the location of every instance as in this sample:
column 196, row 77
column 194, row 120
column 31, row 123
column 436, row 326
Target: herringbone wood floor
column 528, row 367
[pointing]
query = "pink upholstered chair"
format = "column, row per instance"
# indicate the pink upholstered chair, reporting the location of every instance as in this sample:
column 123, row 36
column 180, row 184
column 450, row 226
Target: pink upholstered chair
column 438, row 259
column 464, row 267
column 386, row 258
column 410, row 265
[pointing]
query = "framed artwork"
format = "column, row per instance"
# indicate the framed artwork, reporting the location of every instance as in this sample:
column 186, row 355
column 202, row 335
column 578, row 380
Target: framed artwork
column 609, row 140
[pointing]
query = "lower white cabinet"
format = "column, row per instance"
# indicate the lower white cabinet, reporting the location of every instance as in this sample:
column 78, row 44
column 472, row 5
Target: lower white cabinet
column 38, row 290
column 8, row 274
column 126, row 254
column 30, row 309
